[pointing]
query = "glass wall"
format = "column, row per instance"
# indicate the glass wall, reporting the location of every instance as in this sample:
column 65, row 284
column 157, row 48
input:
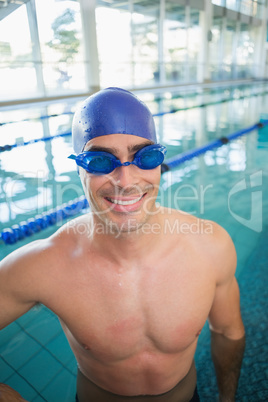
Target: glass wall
column 128, row 50
column 194, row 44
column 41, row 50
column 233, row 5
column 175, row 43
column 245, row 51
column 253, row 8
column 135, row 43
column 17, row 75
column 156, row 45
column 114, row 45
column 60, row 36
column 231, row 50
column 215, row 49
column 258, row 8
column 221, row 3
column 246, row 7
column 145, row 33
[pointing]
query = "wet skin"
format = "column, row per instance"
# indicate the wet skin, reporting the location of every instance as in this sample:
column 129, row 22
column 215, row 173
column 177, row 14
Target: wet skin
column 131, row 302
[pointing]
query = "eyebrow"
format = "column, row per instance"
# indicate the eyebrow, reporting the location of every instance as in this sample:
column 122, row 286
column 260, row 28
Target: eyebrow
column 131, row 149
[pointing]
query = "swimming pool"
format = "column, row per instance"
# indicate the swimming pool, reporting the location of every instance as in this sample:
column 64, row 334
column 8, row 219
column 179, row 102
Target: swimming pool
column 227, row 185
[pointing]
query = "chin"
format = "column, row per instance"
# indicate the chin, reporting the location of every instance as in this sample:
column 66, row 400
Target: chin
column 123, row 227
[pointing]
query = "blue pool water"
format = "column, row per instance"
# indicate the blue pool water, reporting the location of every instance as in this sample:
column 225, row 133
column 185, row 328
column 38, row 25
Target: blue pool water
column 227, row 185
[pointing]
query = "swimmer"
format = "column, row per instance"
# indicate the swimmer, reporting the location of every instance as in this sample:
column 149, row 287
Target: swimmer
column 132, row 294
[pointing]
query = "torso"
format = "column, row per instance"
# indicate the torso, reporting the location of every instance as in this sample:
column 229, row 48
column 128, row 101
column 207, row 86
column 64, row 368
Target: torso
column 134, row 330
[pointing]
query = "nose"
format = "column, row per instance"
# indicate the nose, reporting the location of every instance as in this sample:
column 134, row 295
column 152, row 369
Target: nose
column 126, row 175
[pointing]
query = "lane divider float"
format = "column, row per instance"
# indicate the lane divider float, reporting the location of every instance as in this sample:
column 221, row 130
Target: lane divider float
column 42, row 221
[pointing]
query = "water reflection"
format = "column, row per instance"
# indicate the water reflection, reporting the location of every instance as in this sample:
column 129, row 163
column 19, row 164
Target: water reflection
column 40, row 176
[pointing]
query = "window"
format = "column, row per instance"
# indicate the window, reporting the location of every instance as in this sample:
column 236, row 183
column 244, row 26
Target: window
column 60, row 35
column 18, row 76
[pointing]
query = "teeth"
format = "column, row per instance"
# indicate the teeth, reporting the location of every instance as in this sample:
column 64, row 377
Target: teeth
column 120, row 202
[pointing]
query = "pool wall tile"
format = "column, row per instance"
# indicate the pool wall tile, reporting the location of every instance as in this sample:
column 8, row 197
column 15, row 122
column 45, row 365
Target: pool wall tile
column 5, row 370
column 59, row 347
column 19, row 350
column 61, row 388
column 22, row 386
column 41, row 369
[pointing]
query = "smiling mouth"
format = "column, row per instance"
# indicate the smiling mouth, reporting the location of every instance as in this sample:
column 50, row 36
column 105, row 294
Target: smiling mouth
column 125, row 202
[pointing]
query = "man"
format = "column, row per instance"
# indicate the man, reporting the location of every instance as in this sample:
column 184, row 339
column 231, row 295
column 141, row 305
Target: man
column 131, row 293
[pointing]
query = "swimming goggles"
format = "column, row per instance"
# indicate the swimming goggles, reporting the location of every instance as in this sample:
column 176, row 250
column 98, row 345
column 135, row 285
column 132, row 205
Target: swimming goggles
column 99, row 162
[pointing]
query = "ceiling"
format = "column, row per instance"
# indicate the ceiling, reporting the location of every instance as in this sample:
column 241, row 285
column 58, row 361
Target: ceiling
column 174, row 9
column 8, row 6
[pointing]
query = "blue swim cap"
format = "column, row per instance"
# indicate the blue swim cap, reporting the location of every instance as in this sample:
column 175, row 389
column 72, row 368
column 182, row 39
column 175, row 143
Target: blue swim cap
column 111, row 111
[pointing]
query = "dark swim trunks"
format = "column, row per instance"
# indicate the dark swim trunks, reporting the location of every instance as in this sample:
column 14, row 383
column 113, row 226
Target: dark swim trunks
column 195, row 397
column 87, row 391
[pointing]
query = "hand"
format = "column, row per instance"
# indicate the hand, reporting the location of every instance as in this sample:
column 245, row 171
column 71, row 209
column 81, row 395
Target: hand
column 8, row 394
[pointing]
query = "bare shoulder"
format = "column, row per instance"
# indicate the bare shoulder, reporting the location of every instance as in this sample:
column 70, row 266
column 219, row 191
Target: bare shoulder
column 22, row 271
column 184, row 223
column 39, row 272
column 22, row 276
column 33, row 266
column 224, row 254
column 206, row 237
column 32, row 255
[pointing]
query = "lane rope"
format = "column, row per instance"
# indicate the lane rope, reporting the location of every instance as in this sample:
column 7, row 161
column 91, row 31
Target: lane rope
column 42, row 221
column 42, row 117
column 178, row 159
column 36, row 118
column 21, row 144
column 8, row 147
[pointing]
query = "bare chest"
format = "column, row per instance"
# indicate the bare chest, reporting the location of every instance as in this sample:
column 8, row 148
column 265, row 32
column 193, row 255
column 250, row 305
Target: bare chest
column 115, row 317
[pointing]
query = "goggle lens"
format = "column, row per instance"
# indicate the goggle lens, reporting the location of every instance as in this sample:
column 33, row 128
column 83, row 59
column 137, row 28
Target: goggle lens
column 100, row 164
column 146, row 158
column 151, row 159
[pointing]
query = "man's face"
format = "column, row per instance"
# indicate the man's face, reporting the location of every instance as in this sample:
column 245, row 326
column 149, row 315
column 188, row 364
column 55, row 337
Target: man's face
column 125, row 198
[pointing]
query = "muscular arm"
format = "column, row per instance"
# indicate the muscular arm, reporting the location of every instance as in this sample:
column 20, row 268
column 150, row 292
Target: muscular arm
column 7, row 394
column 18, row 281
column 17, row 296
column 227, row 355
column 227, row 329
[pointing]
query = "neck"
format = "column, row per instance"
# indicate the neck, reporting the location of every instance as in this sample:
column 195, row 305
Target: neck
column 131, row 245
